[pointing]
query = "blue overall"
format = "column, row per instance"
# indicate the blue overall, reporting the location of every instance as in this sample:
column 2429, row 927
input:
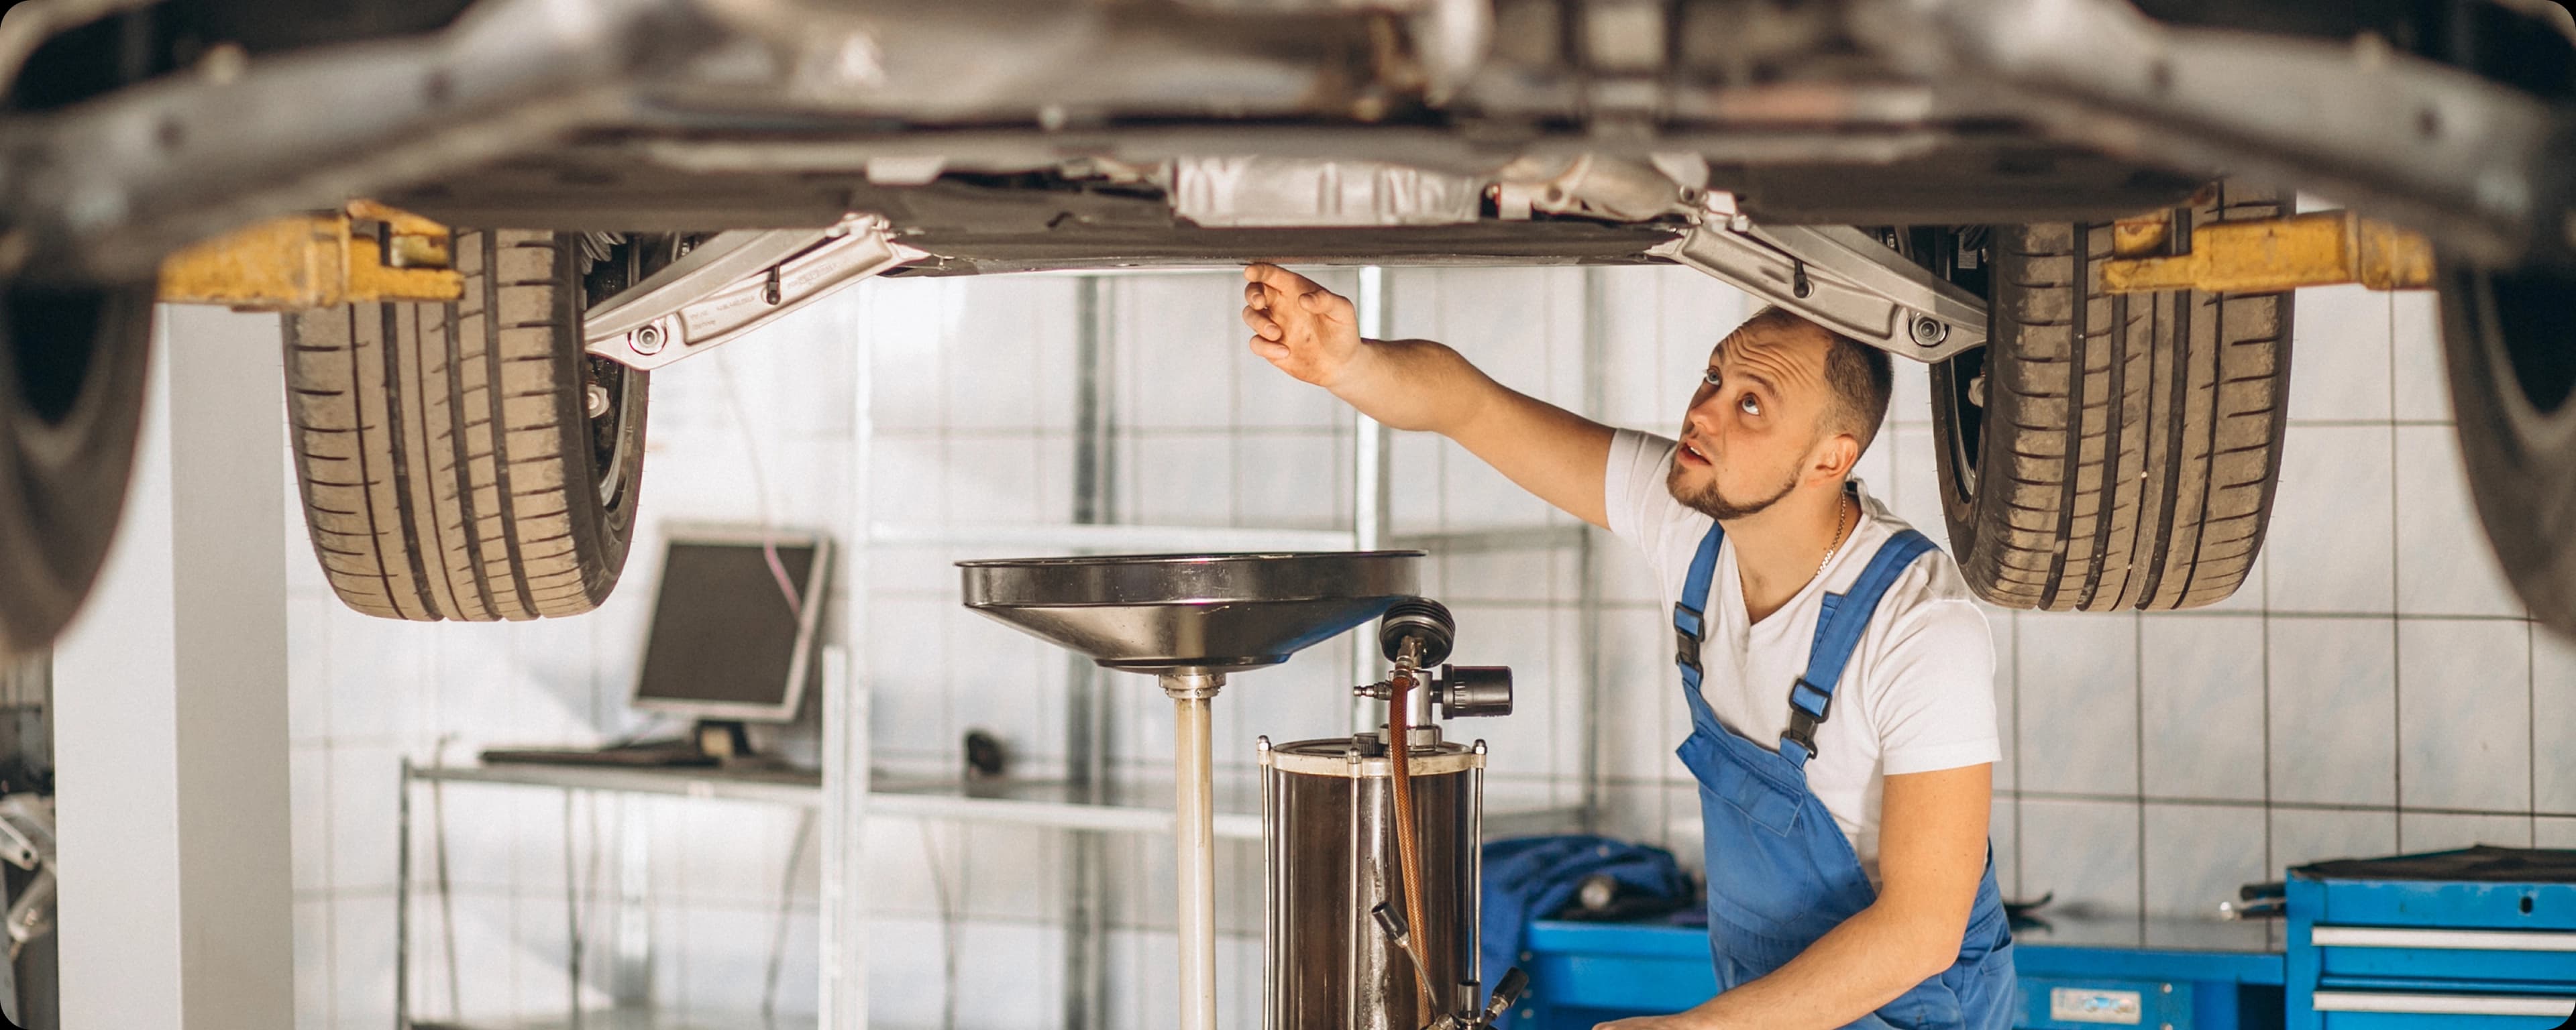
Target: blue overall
column 1780, row 872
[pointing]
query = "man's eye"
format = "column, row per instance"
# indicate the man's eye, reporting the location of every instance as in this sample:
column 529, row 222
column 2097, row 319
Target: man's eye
column 1749, row 404
column 1710, row 377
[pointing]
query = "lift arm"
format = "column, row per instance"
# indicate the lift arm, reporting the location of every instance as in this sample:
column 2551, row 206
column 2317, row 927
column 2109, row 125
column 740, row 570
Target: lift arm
column 1837, row 276
column 2320, row 248
column 368, row 252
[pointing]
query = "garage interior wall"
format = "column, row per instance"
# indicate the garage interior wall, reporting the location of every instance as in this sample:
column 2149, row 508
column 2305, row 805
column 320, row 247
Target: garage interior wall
column 2375, row 687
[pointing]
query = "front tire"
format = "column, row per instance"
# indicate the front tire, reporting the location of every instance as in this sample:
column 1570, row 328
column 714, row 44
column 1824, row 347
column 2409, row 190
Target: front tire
column 2109, row 451
column 468, row 461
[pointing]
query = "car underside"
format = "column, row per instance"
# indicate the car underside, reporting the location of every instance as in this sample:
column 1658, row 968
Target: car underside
column 595, row 189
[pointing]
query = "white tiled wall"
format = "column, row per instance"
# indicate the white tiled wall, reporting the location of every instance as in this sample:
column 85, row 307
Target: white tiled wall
column 2374, row 687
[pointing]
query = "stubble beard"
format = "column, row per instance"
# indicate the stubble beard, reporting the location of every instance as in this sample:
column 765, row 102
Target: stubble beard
column 1708, row 501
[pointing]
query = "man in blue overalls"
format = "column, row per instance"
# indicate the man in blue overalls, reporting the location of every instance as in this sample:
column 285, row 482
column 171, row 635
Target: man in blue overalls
column 1839, row 679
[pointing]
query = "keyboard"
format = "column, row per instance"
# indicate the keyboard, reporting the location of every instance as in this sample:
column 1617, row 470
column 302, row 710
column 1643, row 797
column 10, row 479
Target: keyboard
column 653, row 756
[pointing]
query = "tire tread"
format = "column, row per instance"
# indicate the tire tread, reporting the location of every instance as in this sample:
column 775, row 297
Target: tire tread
column 2132, row 441
column 429, row 441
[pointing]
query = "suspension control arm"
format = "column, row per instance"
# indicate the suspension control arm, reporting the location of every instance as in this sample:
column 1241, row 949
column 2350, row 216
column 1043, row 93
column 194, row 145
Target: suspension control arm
column 1838, row 276
column 735, row 283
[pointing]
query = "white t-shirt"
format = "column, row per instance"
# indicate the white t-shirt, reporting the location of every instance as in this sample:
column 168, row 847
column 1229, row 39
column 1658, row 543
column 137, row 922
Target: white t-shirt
column 1918, row 694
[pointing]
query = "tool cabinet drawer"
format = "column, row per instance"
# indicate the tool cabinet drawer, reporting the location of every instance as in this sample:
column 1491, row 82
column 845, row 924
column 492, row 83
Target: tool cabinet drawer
column 2527, row 907
column 2398, row 1010
column 2469, row 957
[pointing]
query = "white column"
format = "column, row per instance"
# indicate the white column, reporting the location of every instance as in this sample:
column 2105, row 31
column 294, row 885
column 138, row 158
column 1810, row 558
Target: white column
column 843, row 980
column 170, row 709
column 1372, row 481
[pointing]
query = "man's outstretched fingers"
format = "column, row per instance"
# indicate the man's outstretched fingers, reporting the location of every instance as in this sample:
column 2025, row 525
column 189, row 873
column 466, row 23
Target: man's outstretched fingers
column 1260, row 324
column 1326, row 302
column 1280, row 279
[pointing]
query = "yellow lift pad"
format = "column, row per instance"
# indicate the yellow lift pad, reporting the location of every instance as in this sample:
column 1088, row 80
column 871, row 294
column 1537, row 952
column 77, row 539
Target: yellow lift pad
column 317, row 261
column 2321, row 248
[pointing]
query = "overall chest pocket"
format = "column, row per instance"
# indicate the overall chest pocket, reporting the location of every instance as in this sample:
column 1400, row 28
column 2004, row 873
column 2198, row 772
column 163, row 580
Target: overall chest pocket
column 1728, row 780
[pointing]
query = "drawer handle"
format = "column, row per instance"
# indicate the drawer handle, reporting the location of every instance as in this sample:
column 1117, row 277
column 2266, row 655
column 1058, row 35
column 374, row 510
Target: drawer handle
column 2444, row 1004
column 2454, row 940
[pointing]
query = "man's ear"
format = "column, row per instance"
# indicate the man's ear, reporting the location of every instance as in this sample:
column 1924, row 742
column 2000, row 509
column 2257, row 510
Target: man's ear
column 1835, row 457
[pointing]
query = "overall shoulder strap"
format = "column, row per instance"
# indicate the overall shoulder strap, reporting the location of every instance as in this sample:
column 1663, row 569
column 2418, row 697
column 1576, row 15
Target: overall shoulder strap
column 1838, row 632
column 1690, row 618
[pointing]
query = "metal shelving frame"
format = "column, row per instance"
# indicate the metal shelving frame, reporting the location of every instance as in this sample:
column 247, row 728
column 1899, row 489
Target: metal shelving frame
column 802, row 789
column 1083, row 804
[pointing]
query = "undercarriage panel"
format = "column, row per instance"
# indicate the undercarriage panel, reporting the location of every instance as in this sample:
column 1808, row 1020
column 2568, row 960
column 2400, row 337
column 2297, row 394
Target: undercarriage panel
column 992, row 221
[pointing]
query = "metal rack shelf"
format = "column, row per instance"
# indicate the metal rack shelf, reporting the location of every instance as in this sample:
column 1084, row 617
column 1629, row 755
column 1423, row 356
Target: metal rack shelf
column 635, row 1019
column 803, row 787
column 1104, row 537
column 1071, row 536
column 1128, row 805
column 1145, row 806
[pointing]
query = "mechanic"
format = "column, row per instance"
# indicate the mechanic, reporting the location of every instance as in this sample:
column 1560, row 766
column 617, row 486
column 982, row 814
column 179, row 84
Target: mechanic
column 1849, row 878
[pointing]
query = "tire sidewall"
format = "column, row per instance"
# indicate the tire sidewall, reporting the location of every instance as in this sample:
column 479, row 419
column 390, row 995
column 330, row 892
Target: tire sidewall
column 2520, row 461
column 604, row 527
column 63, row 483
column 1981, row 558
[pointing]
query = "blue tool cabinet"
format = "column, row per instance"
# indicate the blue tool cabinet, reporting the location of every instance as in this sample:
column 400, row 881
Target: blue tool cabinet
column 2387, row 953
column 2477, row 939
column 2082, row 976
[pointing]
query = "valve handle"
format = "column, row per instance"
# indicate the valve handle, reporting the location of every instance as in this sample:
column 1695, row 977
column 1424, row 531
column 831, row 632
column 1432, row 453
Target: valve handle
column 1421, row 618
column 1465, row 691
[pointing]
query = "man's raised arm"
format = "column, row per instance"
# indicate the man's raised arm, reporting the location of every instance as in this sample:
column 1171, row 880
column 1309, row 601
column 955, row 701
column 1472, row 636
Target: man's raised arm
column 1313, row 334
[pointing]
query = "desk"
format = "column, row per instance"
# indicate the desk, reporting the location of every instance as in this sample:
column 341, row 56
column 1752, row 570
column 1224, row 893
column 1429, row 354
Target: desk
column 799, row 788
column 2188, row 975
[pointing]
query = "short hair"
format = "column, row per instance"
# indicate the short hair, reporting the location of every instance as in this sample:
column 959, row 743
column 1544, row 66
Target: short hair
column 1861, row 376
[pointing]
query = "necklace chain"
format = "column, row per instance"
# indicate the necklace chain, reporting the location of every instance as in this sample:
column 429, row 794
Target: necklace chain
column 1842, row 516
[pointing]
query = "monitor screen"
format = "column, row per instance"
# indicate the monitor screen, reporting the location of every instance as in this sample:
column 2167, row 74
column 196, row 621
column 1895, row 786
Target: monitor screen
column 725, row 644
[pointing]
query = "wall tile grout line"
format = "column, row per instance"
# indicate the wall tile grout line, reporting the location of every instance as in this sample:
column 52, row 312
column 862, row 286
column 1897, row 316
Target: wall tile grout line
column 2138, row 696
column 2284, row 806
column 2021, row 826
column 2396, row 605
column 2271, row 856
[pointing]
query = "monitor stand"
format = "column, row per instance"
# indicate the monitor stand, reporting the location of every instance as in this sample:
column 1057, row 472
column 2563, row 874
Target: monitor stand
column 726, row 740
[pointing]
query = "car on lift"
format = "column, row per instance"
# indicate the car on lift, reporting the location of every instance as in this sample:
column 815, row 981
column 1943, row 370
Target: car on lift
column 1977, row 184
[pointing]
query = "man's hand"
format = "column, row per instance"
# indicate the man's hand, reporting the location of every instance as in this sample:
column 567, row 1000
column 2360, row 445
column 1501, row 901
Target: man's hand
column 1418, row 385
column 1306, row 330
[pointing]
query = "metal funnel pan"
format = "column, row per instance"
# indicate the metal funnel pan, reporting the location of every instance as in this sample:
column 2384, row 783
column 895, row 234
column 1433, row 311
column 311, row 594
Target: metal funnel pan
column 1212, row 612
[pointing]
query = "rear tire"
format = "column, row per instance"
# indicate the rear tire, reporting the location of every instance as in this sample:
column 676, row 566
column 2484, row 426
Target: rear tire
column 2126, row 446
column 2513, row 370
column 449, row 463
column 73, row 366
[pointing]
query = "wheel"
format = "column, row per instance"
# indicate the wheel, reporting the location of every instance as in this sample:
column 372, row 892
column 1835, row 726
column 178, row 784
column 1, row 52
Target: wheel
column 2513, row 369
column 2109, row 451
column 72, row 373
column 468, row 460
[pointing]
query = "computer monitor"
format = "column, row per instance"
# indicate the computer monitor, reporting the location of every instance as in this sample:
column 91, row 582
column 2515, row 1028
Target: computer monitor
column 725, row 645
